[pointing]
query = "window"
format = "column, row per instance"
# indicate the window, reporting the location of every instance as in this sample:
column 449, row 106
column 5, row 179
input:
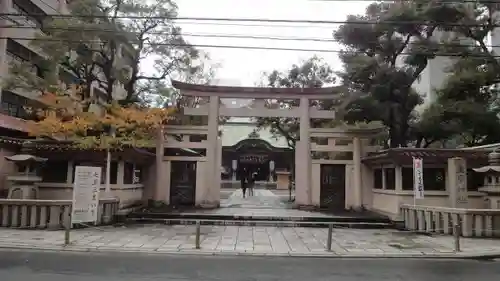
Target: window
column 13, row 105
column 434, row 179
column 54, row 171
column 113, row 168
column 132, row 173
column 407, row 174
column 377, row 179
column 390, row 178
column 31, row 12
column 475, row 180
column 114, row 173
column 18, row 52
column 128, row 173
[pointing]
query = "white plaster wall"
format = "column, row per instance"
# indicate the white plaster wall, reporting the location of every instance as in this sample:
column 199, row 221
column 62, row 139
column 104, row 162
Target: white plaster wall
column 367, row 186
column 301, row 184
column 162, row 193
column 316, row 184
column 215, row 190
column 149, row 183
column 127, row 194
column 387, row 202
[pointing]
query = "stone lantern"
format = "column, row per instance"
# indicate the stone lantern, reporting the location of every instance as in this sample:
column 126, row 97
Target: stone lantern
column 23, row 183
column 491, row 179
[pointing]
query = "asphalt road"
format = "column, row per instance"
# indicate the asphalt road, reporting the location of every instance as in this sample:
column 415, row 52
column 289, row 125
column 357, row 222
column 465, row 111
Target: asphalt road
column 53, row 266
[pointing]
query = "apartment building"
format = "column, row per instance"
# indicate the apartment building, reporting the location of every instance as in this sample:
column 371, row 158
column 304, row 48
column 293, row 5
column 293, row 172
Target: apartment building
column 435, row 74
column 14, row 47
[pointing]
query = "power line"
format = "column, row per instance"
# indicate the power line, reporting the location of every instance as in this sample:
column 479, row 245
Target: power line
column 389, row 1
column 208, row 35
column 188, row 34
column 424, row 23
column 248, row 47
column 255, row 25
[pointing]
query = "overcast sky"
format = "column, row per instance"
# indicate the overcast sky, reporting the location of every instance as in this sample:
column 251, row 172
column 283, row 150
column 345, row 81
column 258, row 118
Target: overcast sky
column 244, row 67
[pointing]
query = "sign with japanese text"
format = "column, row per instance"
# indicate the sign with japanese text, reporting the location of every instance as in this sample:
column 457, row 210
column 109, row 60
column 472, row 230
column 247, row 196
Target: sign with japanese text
column 461, row 180
column 86, row 194
column 418, row 178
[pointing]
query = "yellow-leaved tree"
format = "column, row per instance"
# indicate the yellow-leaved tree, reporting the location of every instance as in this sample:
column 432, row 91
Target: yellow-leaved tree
column 89, row 124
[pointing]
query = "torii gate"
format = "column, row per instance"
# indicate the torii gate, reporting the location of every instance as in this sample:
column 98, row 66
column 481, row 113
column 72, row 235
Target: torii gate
column 208, row 174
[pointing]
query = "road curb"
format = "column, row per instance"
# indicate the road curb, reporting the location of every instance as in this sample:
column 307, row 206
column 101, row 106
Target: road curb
column 60, row 248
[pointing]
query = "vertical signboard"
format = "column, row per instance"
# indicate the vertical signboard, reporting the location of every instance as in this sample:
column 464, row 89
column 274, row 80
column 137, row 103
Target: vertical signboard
column 461, row 181
column 457, row 182
column 418, row 178
column 86, row 194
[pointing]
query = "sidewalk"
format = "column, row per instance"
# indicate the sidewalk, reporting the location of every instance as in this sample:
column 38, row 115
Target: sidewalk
column 243, row 240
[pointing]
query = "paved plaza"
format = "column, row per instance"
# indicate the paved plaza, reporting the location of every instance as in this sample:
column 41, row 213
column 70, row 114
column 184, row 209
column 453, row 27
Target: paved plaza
column 244, row 240
column 262, row 198
column 267, row 204
column 250, row 240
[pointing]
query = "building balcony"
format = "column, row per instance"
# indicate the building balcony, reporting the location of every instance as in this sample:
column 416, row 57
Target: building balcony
column 50, row 6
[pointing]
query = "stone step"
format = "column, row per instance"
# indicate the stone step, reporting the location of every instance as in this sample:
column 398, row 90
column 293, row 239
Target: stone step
column 263, row 223
column 267, row 216
column 262, row 217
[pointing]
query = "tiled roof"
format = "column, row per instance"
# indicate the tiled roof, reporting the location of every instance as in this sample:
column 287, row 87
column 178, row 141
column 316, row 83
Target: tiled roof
column 13, row 123
column 234, row 132
column 51, row 145
column 398, row 155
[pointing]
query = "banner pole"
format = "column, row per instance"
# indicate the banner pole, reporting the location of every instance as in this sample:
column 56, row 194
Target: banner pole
column 414, row 183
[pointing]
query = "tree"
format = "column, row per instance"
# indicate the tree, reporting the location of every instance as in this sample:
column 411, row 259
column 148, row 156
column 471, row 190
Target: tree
column 64, row 118
column 203, row 75
column 386, row 50
column 311, row 73
column 469, row 98
column 105, row 44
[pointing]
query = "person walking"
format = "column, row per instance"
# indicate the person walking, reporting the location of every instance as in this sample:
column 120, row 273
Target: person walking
column 251, row 183
column 243, row 181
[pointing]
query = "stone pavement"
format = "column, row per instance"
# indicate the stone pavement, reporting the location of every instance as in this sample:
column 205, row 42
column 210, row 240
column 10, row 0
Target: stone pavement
column 264, row 204
column 267, row 204
column 243, row 240
column 262, row 198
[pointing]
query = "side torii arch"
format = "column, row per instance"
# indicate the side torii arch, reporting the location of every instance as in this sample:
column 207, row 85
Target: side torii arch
column 208, row 165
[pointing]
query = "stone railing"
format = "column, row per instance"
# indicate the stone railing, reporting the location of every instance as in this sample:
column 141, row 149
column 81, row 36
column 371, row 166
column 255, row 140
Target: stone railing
column 470, row 222
column 52, row 214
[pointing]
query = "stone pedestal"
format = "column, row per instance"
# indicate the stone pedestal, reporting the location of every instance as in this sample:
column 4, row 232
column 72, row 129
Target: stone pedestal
column 283, row 180
column 23, row 187
column 494, row 202
column 23, row 192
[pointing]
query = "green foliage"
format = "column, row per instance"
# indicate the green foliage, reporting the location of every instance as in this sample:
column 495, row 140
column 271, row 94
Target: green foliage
column 382, row 61
column 311, row 73
column 468, row 102
column 102, row 48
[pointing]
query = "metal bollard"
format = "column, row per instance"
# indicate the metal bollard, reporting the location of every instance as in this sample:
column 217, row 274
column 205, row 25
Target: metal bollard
column 329, row 238
column 198, row 232
column 456, row 236
column 67, row 229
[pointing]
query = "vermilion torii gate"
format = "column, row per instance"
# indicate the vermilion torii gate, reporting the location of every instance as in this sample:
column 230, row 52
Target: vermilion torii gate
column 206, row 187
